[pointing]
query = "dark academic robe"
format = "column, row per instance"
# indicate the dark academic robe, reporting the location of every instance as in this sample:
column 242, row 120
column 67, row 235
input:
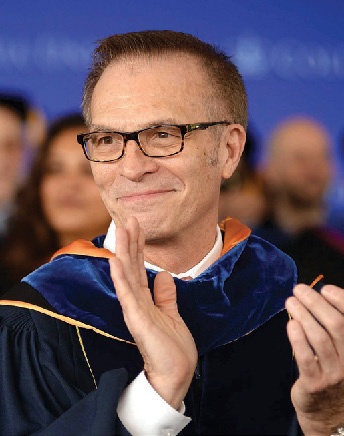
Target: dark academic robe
column 318, row 250
column 66, row 353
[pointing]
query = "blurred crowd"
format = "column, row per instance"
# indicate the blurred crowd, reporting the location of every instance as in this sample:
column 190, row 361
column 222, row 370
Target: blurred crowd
column 48, row 197
column 281, row 190
column 283, row 197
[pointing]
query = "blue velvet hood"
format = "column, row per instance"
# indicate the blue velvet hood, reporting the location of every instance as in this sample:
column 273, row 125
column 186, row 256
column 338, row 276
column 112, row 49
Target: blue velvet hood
column 242, row 290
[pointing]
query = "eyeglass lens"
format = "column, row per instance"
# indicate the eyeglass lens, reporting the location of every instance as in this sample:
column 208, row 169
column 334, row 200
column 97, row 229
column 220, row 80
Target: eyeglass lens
column 156, row 141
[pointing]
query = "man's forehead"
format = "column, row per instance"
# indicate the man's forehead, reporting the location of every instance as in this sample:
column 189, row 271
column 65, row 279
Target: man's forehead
column 175, row 62
column 153, row 89
column 152, row 76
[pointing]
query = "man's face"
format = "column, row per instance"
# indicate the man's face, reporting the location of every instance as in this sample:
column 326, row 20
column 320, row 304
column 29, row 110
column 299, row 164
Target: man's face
column 303, row 163
column 168, row 195
column 11, row 153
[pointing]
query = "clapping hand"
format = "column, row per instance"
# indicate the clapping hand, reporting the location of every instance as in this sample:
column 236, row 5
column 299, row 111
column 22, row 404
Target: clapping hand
column 164, row 341
column 316, row 333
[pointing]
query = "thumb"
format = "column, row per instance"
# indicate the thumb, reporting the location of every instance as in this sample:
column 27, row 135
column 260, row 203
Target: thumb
column 165, row 295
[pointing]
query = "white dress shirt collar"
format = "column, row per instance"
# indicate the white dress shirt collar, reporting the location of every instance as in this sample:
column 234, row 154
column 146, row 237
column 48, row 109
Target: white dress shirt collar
column 210, row 258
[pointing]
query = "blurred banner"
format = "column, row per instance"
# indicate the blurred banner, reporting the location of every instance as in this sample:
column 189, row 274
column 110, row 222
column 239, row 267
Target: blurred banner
column 290, row 53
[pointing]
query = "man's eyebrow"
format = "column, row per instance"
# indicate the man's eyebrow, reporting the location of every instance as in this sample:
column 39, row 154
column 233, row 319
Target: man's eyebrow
column 103, row 128
column 99, row 128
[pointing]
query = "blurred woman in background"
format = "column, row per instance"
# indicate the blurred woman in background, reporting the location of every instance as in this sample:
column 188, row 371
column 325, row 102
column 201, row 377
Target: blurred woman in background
column 58, row 204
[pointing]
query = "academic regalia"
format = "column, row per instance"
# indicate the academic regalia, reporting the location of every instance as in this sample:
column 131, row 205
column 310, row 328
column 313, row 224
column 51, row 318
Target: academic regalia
column 69, row 337
column 316, row 250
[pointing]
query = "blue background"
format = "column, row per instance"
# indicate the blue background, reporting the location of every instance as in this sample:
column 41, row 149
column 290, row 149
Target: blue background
column 290, row 52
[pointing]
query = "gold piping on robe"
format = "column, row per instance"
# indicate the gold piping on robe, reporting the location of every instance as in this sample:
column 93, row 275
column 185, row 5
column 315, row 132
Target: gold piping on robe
column 85, row 355
column 63, row 318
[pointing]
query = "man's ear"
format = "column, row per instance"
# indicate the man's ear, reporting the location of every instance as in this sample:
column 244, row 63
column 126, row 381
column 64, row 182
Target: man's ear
column 235, row 142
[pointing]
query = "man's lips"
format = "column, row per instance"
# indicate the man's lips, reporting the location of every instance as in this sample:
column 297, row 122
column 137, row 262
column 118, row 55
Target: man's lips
column 144, row 195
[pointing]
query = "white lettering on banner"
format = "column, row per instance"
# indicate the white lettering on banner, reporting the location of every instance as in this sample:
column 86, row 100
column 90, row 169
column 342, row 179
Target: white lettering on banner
column 47, row 53
column 286, row 58
column 257, row 57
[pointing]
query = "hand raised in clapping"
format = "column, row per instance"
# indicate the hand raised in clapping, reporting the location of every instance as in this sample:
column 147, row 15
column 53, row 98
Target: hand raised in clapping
column 164, row 341
column 316, row 333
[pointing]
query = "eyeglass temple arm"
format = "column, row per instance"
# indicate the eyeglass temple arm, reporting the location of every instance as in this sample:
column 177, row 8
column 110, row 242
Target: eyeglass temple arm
column 204, row 126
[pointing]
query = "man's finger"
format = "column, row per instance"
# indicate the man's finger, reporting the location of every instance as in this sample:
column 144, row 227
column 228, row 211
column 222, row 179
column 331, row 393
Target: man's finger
column 165, row 295
column 306, row 359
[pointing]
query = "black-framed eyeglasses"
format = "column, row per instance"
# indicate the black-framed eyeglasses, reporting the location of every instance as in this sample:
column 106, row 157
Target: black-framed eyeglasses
column 156, row 141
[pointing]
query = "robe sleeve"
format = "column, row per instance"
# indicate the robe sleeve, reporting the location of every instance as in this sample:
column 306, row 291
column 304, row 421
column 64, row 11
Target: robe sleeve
column 46, row 386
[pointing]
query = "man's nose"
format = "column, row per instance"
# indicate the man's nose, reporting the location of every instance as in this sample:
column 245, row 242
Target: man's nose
column 134, row 164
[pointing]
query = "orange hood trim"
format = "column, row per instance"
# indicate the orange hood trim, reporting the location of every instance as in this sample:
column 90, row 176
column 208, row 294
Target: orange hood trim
column 235, row 232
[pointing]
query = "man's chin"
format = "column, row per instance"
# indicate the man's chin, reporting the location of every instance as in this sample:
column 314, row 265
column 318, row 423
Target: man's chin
column 150, row 225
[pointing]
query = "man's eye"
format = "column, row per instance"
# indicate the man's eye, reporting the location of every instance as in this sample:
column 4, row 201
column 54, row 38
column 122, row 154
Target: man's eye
column 163, row 135
column 105, row 140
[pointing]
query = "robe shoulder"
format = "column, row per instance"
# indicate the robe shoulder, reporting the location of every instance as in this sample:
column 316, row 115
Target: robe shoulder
column 46, row 384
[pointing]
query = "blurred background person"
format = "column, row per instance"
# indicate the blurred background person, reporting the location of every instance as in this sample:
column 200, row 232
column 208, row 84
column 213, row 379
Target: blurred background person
column 22, row 130
column 336, row 197
column 13, row 115
column 242, row 196
column 297, row 174
column 58, row 204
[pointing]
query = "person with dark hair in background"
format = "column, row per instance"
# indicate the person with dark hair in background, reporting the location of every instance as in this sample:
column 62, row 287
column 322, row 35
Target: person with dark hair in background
column 297, row 174
column 13, row 115
column 58, row 203
column 168, row 313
